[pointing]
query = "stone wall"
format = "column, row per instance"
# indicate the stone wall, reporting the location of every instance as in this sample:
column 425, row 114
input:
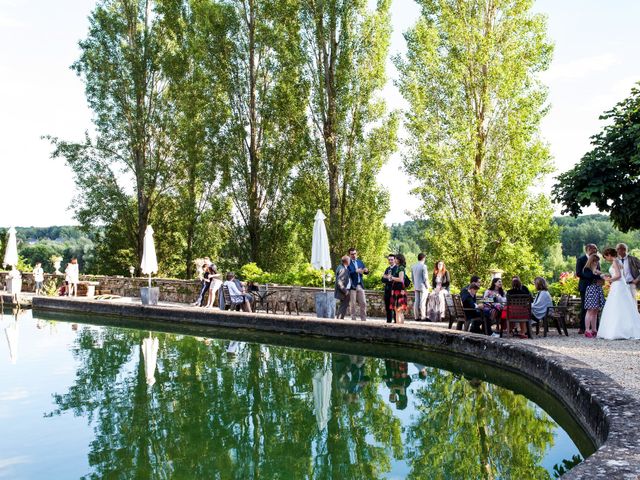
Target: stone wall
column 186, row 291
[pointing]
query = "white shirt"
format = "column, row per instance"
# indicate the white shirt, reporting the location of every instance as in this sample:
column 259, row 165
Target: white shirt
column 626, row 272
column 235, row 294
column 38, row 274
column 72, row 272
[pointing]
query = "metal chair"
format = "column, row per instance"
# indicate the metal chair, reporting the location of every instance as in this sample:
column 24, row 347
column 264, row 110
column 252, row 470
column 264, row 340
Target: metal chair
column 559, row 313
column 518, row 310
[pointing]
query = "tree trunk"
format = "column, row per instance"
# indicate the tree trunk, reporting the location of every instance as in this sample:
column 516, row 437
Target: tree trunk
column 253, row 200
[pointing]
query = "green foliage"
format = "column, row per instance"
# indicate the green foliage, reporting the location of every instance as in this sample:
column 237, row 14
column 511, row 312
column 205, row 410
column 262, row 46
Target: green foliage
column 566, row 285
column 470, row 77
column 302, row 274
column 50, row 288
column 609, row 175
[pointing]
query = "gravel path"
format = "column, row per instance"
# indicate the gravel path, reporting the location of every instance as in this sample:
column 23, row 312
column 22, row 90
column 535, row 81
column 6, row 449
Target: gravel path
column 620, row 359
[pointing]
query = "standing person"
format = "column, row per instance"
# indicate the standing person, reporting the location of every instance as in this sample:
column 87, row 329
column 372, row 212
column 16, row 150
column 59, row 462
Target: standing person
column 590, row 249
column 343, row 287
column 399, row 302
column 204, row 285
column 215, row 282
column 386, row 279
column 440, row 281
column 630, row 268
column 38, row 277
column 620, row 318
column 421, row 288
column 594, row 295
column 72, row 274
column 356, row 270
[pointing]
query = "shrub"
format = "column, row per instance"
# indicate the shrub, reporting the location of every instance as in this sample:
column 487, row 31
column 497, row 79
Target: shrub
column 567, row 285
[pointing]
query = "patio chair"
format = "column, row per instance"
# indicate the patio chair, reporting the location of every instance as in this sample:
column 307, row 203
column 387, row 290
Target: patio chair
column 518, row 310
column 228, row 303
column 559, row 313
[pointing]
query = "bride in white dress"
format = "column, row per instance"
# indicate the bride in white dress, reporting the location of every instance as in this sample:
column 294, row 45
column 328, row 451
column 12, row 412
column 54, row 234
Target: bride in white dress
column 620, row 318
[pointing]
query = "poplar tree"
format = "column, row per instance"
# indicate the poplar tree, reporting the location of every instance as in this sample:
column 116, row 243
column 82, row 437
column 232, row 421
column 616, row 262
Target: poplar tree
column 474, row 149
column 353, row 135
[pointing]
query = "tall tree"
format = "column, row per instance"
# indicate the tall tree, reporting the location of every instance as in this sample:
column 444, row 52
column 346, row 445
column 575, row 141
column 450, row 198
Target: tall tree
column 266, row 133
column 125, row 89
column 475, row 107
column 347, row 46
column 194, row 33
column 609, row 175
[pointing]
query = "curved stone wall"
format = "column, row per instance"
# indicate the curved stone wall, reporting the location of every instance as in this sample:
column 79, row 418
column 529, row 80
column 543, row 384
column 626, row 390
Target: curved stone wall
column 609, row 415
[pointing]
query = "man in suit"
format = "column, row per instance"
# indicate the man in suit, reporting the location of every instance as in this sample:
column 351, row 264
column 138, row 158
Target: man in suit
column 356, row 270
column 421, row 288
column 631, row 266
column 590, row 249
column 386, row 279
column 343, row 287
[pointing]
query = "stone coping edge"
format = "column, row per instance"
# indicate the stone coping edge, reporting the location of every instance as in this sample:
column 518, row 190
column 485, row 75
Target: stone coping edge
column 608, row 414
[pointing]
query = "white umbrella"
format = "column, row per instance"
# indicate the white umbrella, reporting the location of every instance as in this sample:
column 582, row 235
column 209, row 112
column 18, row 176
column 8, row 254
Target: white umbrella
column 322, row 396
column 150, row 355
column 11, row 252
column 149, row 262
column 320, row 257
column 12, row 339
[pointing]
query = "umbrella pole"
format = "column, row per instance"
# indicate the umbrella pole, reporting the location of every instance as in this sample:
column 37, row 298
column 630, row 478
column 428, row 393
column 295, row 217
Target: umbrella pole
column 324, row 281
column 149, row 282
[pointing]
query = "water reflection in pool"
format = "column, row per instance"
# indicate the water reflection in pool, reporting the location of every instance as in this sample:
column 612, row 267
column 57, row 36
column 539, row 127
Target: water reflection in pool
column 80, row 400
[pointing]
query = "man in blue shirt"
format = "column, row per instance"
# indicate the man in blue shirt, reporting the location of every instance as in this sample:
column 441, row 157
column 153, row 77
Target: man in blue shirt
column 356, row 270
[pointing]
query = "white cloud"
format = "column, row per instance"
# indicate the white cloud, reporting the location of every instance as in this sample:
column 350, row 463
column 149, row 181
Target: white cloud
column 580, row 68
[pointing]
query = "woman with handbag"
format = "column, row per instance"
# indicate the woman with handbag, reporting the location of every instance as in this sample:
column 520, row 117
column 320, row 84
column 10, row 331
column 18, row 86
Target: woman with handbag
column 398, row 289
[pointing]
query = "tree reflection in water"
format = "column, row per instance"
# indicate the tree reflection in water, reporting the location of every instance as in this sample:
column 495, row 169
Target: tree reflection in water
column 251, row 415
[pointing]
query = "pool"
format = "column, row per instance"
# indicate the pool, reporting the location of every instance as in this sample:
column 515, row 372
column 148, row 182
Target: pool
column 82, row 397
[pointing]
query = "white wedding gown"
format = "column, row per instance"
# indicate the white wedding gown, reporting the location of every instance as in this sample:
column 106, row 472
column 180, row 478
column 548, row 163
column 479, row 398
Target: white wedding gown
column 620, row 318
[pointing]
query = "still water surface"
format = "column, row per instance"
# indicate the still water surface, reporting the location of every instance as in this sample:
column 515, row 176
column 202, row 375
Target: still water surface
column 79, row 400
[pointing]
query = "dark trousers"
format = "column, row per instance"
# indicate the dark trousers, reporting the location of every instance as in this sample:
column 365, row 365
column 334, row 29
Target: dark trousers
column 583, row 312
column 344, row 307
column 387, row 305
column 203, row 289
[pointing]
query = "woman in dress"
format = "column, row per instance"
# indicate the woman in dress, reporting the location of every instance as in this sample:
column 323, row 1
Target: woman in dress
column 440, row 281
column 620, row 318
column 398, row 301
column 72, row 274
column 495, row 299
column 594, row 295
column 215, row 282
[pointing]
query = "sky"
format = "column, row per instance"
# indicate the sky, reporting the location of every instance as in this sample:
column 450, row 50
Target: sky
column 596, row 62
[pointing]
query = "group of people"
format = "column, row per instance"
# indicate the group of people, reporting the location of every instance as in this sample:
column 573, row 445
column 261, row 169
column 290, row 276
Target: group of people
column 211, row 282
column 428, row 305
column 619, row 317
column 494, row 301
column 71, row 279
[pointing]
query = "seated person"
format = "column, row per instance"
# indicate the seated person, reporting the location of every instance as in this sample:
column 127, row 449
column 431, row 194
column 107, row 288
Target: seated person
column 236, row 294
column 542, row 301
column 469, row 303
column 496, row 297
column 474, row 279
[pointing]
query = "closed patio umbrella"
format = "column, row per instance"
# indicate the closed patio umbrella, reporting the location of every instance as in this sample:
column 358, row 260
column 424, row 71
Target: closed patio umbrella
column 149, row 262
column 150, row 355
column 11, row 333
column 322, row 396
column 320, row 257
column 11, row 252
